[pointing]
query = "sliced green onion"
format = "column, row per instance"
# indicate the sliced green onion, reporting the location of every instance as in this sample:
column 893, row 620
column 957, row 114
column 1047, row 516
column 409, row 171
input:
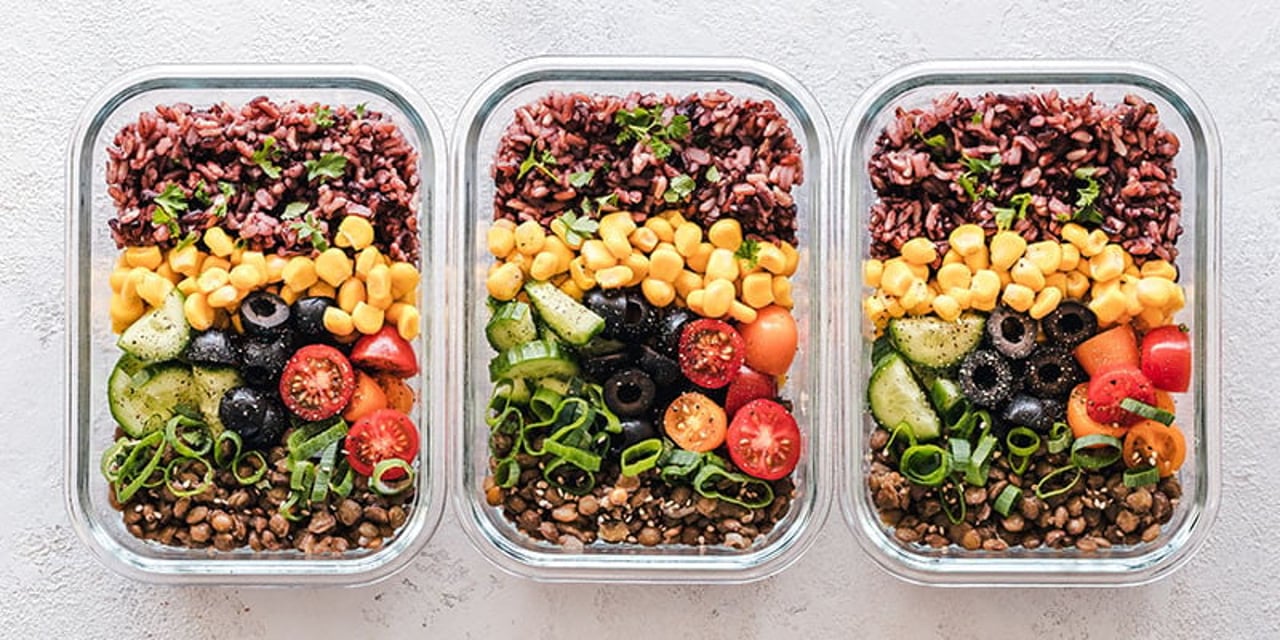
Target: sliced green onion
column 1019, row 464
column 925, row 464
column 1022, row 441
column 302, row 475
column 324, row 471
column 544, row 402
column 379, row 483
column 980, row 461
column 287, row 507
column 1040, row 486
column 679, row 466
column 304, row 443
column 1095, row 451
column 960, row 452
column 1147, row 411
column 963, row 425
column 259, row 470
column 1141, row 476
column 129, row 483
column 983, row 418
column 948, row 398
column 1008, row 496
column 205, row 482
column 641, row 456
column 223, row 459
column 346, row 484
column 954, row 516
column 902, row 430
column 564, row 476
column 709, row 477
column 114, row 457
column 506, row 473
column 188, row 437
column 1059, row 437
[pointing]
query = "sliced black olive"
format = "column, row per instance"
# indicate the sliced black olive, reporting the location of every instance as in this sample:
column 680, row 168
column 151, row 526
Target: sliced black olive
column 599, row 368
column 1070, row 324
column 1013, row 334
column 610, row 304
column 633, row 430
column 629, row 393
column 664, row 371
column 1027, row 411
column 262, row 361
column 256, row 415
column 639, row 318
column 985, row 378
column 669, row 334
column 1052, row 372
column 212, row 347
column 308, row 316
column 263, row 313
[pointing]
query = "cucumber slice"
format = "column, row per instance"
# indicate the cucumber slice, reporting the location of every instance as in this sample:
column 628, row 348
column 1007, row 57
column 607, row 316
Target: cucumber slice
column 537, row 359
column 511, row 324
column 160, row 334
column 211, row 384
column 933, row 342
column 572, row 321
column 143, row 398
column 895, row 398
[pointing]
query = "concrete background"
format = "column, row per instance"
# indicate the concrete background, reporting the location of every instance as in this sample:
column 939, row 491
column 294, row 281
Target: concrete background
column 54, row 55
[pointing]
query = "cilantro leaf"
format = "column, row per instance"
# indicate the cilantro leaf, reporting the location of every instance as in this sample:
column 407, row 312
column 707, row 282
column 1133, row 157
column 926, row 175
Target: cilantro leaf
column 749, row 250
column 645, row 125
column 192, row 237
column 265, row 157
column 969, row 185
column 678, row 129
column 330, row 165
column 978, row 166
column 1087, row 197
column 323, row 117
column 610, row 200
column 660, row 148
column 580, row 179
column 713, row 175
column 294, row 210
column 937, row 142
column 169, row 207
column 539, row 162
column 304, row 222
column 1006, row 215
column 578, row 228
column 679, row 188
column 220, row 203
column 360, row 109
column 201, row 194
column 977, row 117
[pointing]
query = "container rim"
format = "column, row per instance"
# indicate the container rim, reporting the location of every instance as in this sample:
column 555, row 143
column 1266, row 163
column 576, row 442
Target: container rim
column 425, row 127
column 633, row 568
column 1048, row 572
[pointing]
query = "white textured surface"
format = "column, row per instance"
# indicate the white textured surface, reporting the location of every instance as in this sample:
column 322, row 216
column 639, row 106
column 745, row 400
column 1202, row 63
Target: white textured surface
column 53, row 57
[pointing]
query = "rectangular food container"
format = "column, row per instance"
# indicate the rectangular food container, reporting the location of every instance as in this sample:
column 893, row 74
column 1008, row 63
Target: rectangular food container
column 482, row 123
column 1198, row 165
column 91, row 255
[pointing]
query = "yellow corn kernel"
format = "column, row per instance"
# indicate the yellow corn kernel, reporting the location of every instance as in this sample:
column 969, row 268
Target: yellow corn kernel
column 146, row 257
column 873, row 307
column 392, row 313
column 214, row 262
column 1178, row 299
column 674, row 217
column 1132, row 306
column 919, row 250
column 505, row 223
column 583, row 277
column 659, row 293
column 408, row 323
column 978, row 260
column 351, row 292
column 1018, row 297
column 952, row 257
column 1070, row 256
column 1046, row 255
column 614, row 277
column 1057, row 281
column 366, row 318
column 1159, row 269
column 219, row 243
column 164, row 271
column 1107, row 264
column 946, row 307
column 985, row 286
column 571, row 289
column 186, row 260
column 529, row 237
column 245, row 277
column 1006, row 248
column 1005, row 277
column 545, row 265
column 782, row 292
column 119, row 276
column 742, row 313
column 354, row 232
column 772, row 259
column 686, row 282
column 620, row 221
column 698, row 261
column 212, row 280
column 695, row 301
column 333, row 266
column 188, row 285
column 1026, row 273
column 644, row 239
column 665, row 264
column 1046, row 301
column 556, row 247
column 1151, row 318
column 1095, row 243
column 223, row 296
column 338, row 322
column 505, row 282
column 963, row 297
column 1109, row 307
column 1075, row 234
column 366, row 260
column 288, row 295
column 197, row 311
column 793, row 258
column 124, row 311
column 895, row 308
column 687, row 238
column 661, row 228
column 757, row 290
column 896, row 277
column 1155, row 292
column 639, row 266
column 872, row 269
column 725, row 233
column 596, row 256
column 153, row 289
column 917, row 294
column 300, row 273
column 1077, row 285
column 954, row 275
column 722, row 264
column 501, row 240
column 719, row 297
column 404, row 278
column 617, row 244
column 967, row 239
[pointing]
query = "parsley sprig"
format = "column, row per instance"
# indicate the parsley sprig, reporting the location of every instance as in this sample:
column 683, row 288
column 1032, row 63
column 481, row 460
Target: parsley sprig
column 578, row 228
column 170, row 205
column 266, row 156
column 1087, row 197
column 645, row 125
column 323, row 117
column 679, row 188
column 937, row 141
column 330, row 165
column 580, row 179
column 1017, row 209
column 749, row 250
column 969, row 179
column 304, row 222
column 538, row 161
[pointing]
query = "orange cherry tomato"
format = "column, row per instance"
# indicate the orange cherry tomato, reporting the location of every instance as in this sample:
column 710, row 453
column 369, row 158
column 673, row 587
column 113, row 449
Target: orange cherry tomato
column 399, row 395
column 1112, row 348
column 367, row 398
column 1152, row 443
column 771, row 340
column 1078, row 416
column 695, row 422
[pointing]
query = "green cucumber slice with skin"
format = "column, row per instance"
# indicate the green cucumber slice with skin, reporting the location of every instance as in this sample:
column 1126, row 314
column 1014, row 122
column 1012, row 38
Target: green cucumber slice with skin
column 570, row 319
column 511, row 324
column 537, row 359
column 935, row 343
column 211, row 384
column 160, row 334
column 896, row 397
column 143, row 398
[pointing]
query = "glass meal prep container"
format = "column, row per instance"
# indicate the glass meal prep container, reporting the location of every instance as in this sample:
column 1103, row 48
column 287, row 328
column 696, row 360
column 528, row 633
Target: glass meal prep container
column 486, row 116
column 92, row 254
column 1197, row 410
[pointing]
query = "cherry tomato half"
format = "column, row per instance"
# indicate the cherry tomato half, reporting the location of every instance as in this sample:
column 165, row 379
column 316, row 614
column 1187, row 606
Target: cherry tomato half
column 381, row 435
column 1150, row 443
column 399, row 396
column 1166, row 358
column 1115, row 347
column 764, row 440
column 367, row 398
column 747, row 386
column 1109, row 388
column 695, row 422
column 771, row 340
column 387, row 352
column 1078, row 416
column 711, row 352
column 317, row 382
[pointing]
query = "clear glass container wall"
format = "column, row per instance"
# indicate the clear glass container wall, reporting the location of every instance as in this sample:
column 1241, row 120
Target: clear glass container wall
column 1197, row 163
column 482, row 123
column 91, row 255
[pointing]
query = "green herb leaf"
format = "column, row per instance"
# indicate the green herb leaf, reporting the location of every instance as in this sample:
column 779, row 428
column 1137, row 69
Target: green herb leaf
column 1005, row 216
column 645, row 125
column 169, row 207
column 330, row 165
column 713, row 175
column 304, row 222
column 323, row 117
column 360, row 109
column 679, row 188
column 578, row 229
column 201, row 194
column 192, row 237
column 227, row 189
column 660, row 148
column 678, row 129
column 978, row 166
column 1087, row 196
column 220, row 204
column 977, row 117
column 265, row 157
column 537, row 161
column 749, row 250
column 969, row 185
column 294, row 210
column 610, row 200
column 937, row 141
column 580, row 179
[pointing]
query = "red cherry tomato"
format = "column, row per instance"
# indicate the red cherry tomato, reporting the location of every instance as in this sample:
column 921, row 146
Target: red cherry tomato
column 764, row 440
column 711, row 352
column 1108, row 389
column 385, row 351
column 1166, row 358
column 771, row 340
column 381, row 435
column 749, row 385
column 317, row 382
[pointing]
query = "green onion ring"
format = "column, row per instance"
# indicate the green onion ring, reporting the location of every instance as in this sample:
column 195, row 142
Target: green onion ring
column 902, row 429
column 114, row 457
column 587, row 479
column 1096, row 451
column 259, row 471
column 205, row 483
column 679, row 465
column 710, row 474
column 544, row 402
column 302, row 475
column 221, row 459
column 963, row 425
column 302, row 445
column 952, row 516
column 506, row 473
column 1147, row 411
column 980, row 461
column 379, row 483
column 1141, row 476
column 580, row 458
column 1008, row 495
column 961, row 451
column 641, row 456
column 324, row 471
column 1030, row 441
column 286, row 507
column 126, row 490
column 1045, row 495
column 1019, row 464
column 947, row 397
column 1059, row 437
column 925, row 464
column 179, row 439
column 347, row 483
